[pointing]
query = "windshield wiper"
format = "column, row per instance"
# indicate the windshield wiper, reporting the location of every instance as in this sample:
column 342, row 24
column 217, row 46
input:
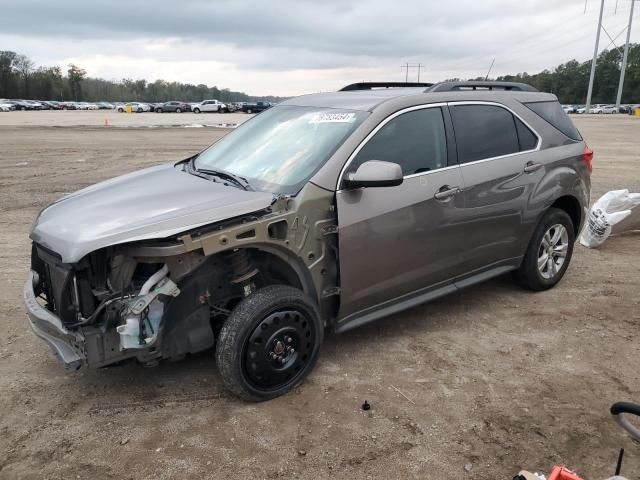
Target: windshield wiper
column 231, row 177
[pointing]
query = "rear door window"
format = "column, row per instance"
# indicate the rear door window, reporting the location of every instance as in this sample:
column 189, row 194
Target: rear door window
column 484, row 131
column 553, row 113
column 415, row 140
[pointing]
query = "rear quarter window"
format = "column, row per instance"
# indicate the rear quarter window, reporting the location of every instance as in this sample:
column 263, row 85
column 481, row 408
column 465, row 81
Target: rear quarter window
column 553, row 113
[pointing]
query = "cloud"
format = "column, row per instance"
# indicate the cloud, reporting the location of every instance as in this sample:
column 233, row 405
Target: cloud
column 290, row 47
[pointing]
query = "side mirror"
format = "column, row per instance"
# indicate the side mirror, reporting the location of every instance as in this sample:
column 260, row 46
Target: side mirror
column 375, row 173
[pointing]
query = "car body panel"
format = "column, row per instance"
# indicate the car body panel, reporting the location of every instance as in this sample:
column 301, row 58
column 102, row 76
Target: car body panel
column 405, row 219
column 151, row 203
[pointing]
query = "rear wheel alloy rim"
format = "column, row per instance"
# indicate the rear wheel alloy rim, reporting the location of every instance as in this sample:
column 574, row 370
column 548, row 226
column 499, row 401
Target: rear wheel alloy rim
column 278, row 349
column 553, row 251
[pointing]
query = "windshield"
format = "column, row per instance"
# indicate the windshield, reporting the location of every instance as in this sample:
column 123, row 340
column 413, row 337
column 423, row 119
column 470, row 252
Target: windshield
column 281, row 148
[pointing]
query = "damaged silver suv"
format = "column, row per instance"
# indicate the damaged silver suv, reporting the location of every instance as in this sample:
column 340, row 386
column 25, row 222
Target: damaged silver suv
column 325, row 212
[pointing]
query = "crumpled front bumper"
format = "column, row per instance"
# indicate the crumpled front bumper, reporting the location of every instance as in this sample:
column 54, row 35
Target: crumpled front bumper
column 67, row 347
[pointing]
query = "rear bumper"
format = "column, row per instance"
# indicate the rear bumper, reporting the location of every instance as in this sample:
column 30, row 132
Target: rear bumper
column 67, row 347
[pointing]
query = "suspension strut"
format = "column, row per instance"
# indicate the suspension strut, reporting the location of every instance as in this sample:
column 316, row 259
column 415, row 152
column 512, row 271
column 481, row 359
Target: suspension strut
column 242, row 270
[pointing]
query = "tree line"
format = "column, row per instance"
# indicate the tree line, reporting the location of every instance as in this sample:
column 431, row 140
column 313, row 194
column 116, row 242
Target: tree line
column 20, row 78
column 569, row 81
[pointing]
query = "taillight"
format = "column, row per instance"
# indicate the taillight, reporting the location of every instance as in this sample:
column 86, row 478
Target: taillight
column 587, row 156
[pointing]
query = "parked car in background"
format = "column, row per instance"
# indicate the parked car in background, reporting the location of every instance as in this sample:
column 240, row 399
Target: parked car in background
column 136, row 107
column 600, row 108
column 232, row 107
column 209, row 106
column 570, row 108
column 53, row 104
column 105, row 106
column 23, row 105
column 366, row 204
column 68, row 105
column 256, row 107
column 173, row 106
column 6, row 106
column 86, row 106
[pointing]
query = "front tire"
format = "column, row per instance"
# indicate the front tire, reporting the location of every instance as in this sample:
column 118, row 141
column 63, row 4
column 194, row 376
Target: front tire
column 549, row 252
column 269, row 343
column 196, row 110
column 178, row 110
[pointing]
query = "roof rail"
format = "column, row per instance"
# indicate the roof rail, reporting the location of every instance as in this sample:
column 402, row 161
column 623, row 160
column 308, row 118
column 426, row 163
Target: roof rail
column 372, row 85
column 481, row 85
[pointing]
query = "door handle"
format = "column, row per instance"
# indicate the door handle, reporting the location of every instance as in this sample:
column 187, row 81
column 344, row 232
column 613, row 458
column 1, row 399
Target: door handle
column 446, row 192
column 531, row 167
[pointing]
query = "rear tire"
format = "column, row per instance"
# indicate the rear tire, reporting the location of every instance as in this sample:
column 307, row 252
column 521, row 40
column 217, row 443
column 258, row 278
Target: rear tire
column 178, row 110
column 549, row 252
column 196, row 110
column 269, row 343
column 158, row 110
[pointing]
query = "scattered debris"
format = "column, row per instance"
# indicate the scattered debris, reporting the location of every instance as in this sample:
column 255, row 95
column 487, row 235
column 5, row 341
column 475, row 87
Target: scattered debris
column 398, row 390
column 468, row 467
column 124, row 441
column 302, row 453
column 366, row 406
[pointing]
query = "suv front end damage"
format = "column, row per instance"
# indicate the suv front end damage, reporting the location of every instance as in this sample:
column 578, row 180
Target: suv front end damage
column 166, row 298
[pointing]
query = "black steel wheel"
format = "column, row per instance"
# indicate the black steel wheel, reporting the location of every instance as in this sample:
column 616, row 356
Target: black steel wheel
column 269, row 343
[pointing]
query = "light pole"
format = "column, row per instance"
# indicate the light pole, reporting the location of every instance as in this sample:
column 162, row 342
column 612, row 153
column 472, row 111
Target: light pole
column 595, row 58
column 623, row 68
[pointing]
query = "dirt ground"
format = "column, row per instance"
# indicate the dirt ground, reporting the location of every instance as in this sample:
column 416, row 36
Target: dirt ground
column 494, row 377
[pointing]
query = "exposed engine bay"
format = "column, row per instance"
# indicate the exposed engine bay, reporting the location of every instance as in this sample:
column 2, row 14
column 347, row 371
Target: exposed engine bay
column 163, row 299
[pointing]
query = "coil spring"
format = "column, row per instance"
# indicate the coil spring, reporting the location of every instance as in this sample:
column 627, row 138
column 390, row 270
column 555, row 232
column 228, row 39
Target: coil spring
column 242, row 267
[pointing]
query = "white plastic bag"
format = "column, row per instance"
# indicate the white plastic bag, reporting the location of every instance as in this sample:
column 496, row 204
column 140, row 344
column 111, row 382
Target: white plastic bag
column 610, row 209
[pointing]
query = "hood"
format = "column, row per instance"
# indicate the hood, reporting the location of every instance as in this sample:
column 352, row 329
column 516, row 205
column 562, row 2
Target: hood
column 153, row 203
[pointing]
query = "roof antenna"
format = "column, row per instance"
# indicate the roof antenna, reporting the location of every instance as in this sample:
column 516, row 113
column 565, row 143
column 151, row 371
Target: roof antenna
column 486, row 77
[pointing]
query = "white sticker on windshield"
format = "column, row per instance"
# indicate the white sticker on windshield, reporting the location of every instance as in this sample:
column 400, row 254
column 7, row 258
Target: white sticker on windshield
column 333, row 118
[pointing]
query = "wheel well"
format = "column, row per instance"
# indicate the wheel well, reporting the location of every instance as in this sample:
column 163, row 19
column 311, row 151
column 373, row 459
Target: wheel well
column 571, row 205
column 275, row 270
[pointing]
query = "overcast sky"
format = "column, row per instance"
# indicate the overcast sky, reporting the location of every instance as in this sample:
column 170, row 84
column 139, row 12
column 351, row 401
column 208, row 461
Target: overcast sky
column 292, row 47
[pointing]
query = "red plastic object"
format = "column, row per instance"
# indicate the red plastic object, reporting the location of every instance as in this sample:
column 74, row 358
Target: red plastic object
column 561, row 473
column 587, row 156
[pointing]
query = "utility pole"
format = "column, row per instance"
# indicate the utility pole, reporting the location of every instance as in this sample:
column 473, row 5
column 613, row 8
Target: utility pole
column 406, row 68
column 624, row 59
column 595, row 58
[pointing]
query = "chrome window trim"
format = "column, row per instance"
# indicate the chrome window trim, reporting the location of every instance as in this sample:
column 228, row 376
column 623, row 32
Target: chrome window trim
column 434, row 105
column 496, row 104
column 382, row 124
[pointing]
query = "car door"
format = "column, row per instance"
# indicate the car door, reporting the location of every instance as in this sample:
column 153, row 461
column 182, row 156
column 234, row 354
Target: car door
column 497, row 153
column 209, row 106
column 396, row 241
